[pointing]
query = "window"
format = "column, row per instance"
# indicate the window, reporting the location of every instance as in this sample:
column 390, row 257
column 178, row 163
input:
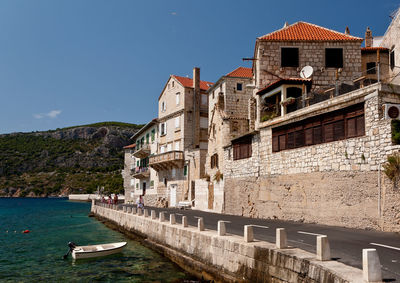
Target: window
column 392, row 63
column 137, row 185
column 177, row 145
column 177, row 98
column 163, row 129
column 169, row 147
column 151, row 184
column 334, row 58
column 147, row 138
column 132, row 182
column 153, row 134
column 185, row 170
column 162, row 149
column 163, row 106
column 371, row 68
column 289, row 57
column 242, row 148
column 173, row 172
column 177, row 122
column 239, row 86
column 234, row 126
column 333, row 126
column 204, row 99
column 173, row 83
column 138, row 163
column 214, row 161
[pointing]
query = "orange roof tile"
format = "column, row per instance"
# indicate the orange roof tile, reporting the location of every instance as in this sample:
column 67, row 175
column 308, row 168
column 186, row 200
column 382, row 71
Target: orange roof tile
column 374, row 49
column 130, row 146
column 302, row 31
column 188, row 82
column 241, row 72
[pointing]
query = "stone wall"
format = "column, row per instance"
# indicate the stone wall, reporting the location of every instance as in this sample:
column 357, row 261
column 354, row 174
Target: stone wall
column 209, row 191
column 391, row 40
column 229, row 258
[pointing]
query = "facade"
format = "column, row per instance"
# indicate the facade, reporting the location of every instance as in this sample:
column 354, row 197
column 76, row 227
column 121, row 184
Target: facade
column 143, row 178
column 316, row 152
column 182, row 142
column 228, row 118
column 129, row 165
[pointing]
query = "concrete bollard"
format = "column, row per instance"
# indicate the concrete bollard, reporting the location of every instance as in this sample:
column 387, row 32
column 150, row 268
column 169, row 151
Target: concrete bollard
column 153, row 214
column 200, row 224
column 146, row 213
column 162, row 216
column 323, row 248
column 372, row 271
column 172, row 219
column 281, row 238
column 124, row 208
column 129, row 209
column 221, row 228
column 139, row 212
column 133, row 210
column 248, row 233
column 184, row 222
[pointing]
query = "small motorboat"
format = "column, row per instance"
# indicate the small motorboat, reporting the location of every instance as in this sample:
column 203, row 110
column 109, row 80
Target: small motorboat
column 79, row 252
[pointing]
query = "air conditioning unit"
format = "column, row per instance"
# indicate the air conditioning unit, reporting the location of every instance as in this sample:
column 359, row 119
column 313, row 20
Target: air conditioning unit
column 392, row 111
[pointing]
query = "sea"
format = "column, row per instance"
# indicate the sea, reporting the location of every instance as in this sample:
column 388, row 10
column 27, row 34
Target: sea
column 52, row 223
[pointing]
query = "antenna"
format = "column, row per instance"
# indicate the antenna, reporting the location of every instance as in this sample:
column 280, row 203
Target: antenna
column 306, row 72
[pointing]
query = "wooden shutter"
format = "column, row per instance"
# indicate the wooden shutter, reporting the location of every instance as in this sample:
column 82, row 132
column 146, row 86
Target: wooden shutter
column 351, row 127
column 308, row 136
column 317, row 135
column 338, row 130
column 275, row 143
column 299, row 138
column 328, row 132
column 282, row 142
column 360, row 125
column 290, row 140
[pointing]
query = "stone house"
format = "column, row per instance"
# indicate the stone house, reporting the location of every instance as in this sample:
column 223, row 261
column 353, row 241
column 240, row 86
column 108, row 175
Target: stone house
column 319, row 140
column 129, row 165
column 141, row 178
column 183, row 137
column 228, row 118
column 391, row 41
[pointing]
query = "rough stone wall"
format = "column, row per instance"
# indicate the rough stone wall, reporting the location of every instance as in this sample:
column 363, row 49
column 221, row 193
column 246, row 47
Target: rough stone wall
column 228, row 258
column 310, row 53
column 367, row 57
column 129, row 162
column 203, row 195
column 391, row 40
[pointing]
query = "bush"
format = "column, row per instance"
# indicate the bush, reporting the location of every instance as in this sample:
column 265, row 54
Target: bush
column 395, row 131
column 392, row 168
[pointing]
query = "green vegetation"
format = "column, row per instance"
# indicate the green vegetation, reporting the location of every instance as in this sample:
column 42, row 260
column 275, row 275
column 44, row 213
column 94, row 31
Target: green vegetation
column 396, row 131
column 104, row 124
column 392, row 168
column 49, row 163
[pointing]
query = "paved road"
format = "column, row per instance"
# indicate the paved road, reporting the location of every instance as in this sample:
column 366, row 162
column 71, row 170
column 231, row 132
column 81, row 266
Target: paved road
column 346, row 244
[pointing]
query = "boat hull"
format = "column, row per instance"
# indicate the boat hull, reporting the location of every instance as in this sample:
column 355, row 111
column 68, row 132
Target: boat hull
column 81, row 252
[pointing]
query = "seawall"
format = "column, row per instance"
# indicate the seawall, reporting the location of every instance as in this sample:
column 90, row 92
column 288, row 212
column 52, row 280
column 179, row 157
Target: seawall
column 229, row 258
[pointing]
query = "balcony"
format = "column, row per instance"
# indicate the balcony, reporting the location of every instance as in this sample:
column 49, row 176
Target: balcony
column 141, row 172
column 142, row 152
column 167, row 160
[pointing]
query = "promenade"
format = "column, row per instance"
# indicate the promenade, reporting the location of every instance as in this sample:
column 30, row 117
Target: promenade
column 346, row 244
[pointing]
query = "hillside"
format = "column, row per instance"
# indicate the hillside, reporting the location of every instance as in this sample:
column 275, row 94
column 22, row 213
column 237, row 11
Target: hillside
column 70, row 160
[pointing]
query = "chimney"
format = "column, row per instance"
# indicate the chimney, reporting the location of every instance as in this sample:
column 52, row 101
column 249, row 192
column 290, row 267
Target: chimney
column 347, row 31
column 368, row 38
column 285, row 25
column 196, row 107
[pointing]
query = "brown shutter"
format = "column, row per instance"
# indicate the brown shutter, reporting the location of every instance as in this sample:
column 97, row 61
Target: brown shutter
column 360, row 124
column 328, row 132
column 275, row 144
column 299, row 138
column 338, row 130
column 351, row 127
column 309, row 136
column 317, row 135
column 290, row 140
column 282, row 142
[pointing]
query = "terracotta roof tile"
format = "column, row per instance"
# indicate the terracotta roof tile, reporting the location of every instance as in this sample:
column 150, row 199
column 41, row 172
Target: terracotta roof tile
column 130, row 146
column 188, row 82
column 302, row 31
column 241, row 72
column 374, row 49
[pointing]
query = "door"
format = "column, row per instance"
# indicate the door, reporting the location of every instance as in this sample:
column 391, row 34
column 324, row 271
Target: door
column 144, row 188
column 210, row 195
column 172, row 195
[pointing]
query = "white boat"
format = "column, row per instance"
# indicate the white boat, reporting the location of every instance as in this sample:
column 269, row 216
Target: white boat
column 79, row 252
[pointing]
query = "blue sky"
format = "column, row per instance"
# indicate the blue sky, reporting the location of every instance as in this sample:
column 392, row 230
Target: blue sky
column 73, row 62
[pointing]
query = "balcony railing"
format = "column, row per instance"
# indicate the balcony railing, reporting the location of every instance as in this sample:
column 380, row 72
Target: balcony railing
column 167, row 160
column 143, row 151
column 140, row 172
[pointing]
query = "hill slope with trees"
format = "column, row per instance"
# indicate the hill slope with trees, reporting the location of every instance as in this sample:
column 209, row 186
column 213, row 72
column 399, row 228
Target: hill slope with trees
column 70, row 160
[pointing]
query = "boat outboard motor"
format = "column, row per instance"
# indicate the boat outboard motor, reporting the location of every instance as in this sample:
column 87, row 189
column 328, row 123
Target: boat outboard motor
column 71, row 246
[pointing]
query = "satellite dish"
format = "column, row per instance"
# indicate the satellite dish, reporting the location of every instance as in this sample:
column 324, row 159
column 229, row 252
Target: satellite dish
column 306, row 72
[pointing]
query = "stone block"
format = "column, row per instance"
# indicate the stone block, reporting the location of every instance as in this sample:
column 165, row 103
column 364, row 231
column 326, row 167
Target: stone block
column 221, row 228
column 172, row 219
column 248, row 233
column 146, row 213
column 281, row 238
column 323, row 248
column 184, row 222
column 372, row 271
column 162, row 216
column 153, row 214
column 200, row 224
column 134, row 210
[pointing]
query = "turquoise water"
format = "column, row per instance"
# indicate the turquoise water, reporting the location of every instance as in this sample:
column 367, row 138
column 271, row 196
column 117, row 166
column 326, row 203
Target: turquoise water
column 53, row 223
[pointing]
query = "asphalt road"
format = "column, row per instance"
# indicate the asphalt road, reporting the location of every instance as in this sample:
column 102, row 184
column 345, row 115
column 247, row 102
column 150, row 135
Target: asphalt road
column 346, row 244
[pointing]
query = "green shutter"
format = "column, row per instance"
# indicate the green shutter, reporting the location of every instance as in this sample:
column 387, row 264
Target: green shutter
column 185, row 170
column 153, row 134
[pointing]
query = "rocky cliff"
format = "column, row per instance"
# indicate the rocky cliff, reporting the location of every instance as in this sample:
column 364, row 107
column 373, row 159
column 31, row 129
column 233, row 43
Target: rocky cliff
column 74, row 159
